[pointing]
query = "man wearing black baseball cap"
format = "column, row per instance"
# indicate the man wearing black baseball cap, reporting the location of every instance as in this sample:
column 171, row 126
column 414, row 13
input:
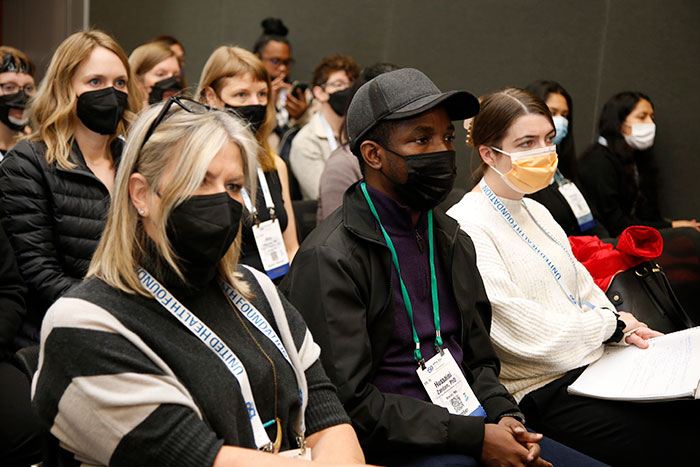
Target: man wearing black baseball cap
column 388, row 286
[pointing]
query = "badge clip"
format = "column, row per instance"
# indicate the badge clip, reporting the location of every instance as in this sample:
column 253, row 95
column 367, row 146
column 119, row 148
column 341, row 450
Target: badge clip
column 438, row 348
column 301, row 442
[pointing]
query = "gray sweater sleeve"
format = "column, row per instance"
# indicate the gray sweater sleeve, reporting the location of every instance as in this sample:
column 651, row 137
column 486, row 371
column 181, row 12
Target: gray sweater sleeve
column 109, row 399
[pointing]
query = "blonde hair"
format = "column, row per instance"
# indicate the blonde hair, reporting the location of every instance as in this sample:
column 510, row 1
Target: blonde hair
column 183, row 145
column 227, row 62
column 52, row 109
column 145, row 57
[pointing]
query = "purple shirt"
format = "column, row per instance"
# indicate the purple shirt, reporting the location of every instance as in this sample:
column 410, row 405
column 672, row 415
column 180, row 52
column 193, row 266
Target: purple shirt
column 397, row 371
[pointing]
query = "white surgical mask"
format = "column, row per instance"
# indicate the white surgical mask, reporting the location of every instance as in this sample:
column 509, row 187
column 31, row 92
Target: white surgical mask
column 561, row 125
column 641, row 136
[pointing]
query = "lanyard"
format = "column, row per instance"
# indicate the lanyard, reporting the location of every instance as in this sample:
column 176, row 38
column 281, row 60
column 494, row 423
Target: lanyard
column 433, row 280
column 559, row 178
column 503, row 210
column 267, row 195
column 329, row 133
column 219, row 347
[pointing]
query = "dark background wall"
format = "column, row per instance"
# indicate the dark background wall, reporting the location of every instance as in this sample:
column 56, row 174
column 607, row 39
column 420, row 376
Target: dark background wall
column 593, row 48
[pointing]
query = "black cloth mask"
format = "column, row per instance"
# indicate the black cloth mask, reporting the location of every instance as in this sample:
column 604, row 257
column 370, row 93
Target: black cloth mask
column 253, row 115
column 161, row 87
column 17, row 100
column 339, row 101
column 200, row 231
column 431, row 177
column 102, row 110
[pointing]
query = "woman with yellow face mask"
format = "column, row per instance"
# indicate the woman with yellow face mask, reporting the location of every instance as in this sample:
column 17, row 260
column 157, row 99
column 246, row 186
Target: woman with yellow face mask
column 550, row 320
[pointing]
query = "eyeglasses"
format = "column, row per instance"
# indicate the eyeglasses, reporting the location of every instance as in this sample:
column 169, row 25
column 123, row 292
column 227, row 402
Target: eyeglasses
column 339, row 85
column 14, row 88
column 186, row 104
column 278, row 61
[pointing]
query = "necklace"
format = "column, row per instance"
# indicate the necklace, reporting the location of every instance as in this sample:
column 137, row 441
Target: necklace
column 278, row 439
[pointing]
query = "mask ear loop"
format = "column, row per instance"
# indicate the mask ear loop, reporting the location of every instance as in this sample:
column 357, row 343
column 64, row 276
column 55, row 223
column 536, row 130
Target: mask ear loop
column 494, row 160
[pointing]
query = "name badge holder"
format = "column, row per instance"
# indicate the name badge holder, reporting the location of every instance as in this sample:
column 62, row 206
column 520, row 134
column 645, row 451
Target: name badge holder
column 232, row 362
column 576, row 202
column 268, row 234
column 498, row 205
column 441, row 376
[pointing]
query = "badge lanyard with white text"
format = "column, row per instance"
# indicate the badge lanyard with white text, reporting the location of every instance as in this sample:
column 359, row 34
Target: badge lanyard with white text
column 225, row 354
column 503, row 210
column 332, row 142
column 268, row 234
column 441, row 376
column 576, row 201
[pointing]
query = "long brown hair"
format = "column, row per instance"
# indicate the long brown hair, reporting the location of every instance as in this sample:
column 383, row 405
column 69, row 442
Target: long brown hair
column 227, row 62
column 52, row 109
column 499, row 110
column 145, row 57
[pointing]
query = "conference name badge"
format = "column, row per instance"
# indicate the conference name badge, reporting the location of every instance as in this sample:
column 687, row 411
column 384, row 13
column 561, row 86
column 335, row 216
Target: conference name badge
column 268, row 238
column 447, row 387
column 578, row 205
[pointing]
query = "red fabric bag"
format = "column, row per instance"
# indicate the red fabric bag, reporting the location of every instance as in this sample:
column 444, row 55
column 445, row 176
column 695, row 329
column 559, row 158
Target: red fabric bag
column 636, row 245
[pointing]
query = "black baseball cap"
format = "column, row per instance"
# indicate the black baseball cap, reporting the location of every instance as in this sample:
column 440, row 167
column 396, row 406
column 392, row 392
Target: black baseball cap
column 402, row 94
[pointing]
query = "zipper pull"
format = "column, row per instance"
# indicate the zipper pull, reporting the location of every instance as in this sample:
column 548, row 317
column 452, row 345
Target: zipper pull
column 419, row 239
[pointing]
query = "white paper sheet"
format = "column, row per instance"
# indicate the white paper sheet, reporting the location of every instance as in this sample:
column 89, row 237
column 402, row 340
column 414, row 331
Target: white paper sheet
column 668, row 369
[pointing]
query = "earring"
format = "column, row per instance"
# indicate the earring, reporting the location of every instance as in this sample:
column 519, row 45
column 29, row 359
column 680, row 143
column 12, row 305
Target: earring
column 141, row 211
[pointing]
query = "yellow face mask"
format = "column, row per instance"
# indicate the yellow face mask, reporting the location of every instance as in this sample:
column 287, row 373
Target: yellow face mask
column 530, row 170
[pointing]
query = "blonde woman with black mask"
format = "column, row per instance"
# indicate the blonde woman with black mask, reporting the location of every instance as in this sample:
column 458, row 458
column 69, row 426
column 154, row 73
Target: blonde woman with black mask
column 55, row 186
column 169, row 353
column 550, row 320
column 235, row 79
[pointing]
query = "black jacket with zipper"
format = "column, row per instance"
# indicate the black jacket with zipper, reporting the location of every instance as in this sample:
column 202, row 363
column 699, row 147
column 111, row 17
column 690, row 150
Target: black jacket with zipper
column 340, row 281
column 54, row 219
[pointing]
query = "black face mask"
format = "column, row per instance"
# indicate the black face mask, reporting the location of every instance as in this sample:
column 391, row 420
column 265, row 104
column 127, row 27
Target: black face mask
column 102, row 110
column 253, row 115
column 200, row 231
column 339, row 101
column 431, row 177
column 17, row 100
column 161, row 87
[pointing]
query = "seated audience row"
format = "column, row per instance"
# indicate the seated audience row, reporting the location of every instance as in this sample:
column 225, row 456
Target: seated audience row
column 449, row 337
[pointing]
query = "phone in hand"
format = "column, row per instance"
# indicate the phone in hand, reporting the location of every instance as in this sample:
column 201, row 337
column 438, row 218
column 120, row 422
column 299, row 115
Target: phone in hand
column 299, row 86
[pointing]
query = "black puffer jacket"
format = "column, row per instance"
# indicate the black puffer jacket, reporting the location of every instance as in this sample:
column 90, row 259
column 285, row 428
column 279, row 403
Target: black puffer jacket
column 12, row 293
column 54, row 219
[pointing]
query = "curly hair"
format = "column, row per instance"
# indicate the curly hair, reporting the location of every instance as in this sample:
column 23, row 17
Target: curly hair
column 333, row 63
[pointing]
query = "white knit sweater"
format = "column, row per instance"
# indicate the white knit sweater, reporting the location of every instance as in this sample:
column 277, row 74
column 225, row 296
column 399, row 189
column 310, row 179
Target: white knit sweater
column 539, row 334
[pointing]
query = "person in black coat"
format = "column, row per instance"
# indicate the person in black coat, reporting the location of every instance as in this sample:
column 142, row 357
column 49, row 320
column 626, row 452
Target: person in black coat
column 55, row 186
column 620, row 179
column 20, row 443
column 362, row 307
column 618, row 172
column 564, row 192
